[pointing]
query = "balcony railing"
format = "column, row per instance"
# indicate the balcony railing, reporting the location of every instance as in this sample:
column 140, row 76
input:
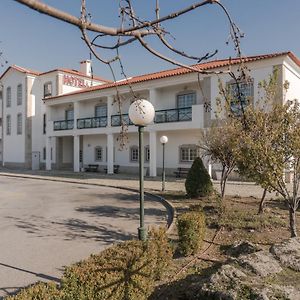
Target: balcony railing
column 94, row 122
column 63, row 125
column 117, row 119
column 173, row 115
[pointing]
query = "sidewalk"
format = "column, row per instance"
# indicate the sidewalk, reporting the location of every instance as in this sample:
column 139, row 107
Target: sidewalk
column 238, row 189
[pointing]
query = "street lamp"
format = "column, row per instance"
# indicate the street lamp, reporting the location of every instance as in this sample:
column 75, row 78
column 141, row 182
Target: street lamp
column 163, row 140
column 141, row 113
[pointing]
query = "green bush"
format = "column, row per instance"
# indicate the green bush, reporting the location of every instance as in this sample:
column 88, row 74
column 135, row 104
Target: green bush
column 124, row 271
column 159, row 245
column 191, row 232
column 39, row 291
column 198, row 182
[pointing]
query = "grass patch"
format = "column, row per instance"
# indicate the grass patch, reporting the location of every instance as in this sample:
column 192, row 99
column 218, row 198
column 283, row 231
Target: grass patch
column 246, row 220
column 285, row 277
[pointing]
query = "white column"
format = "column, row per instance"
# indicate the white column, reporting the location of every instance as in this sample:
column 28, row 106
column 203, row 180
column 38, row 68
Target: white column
column 76, row 114
column 110, row 153
column 153, row 97
column 110, row 101
column 76, row 165
column 153, row 153
column 48, row 154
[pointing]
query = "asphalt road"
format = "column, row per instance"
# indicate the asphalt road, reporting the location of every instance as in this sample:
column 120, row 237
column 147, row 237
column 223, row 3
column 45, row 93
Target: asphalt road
column 45, row 226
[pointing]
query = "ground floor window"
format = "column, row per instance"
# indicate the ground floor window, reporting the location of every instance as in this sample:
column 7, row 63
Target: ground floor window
column 188, row 153
column 147, row 153
column 44, row 153
column 134, row 153
column 98, row 154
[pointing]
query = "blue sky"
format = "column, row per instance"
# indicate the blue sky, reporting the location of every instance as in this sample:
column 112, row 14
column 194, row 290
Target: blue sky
column 36, row 41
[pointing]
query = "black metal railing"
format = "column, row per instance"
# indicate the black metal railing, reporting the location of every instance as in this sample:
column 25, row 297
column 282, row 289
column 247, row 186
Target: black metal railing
column 94, row 122
column 173, row 115
column 117, row 119
column 63, row 125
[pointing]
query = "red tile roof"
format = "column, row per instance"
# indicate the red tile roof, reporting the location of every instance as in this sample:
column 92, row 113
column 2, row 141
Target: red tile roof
column 181, row 71
column 36, row 73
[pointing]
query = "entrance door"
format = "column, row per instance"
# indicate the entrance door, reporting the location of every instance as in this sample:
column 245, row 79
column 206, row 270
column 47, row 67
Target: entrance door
column 35, row 160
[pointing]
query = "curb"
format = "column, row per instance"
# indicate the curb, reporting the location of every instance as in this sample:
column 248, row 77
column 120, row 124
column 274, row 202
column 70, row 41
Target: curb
column 169, row 207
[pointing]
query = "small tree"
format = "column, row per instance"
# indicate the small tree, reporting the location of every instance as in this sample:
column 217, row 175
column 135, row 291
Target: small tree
column 219, row 143
column 198, row 182
column 270, row 145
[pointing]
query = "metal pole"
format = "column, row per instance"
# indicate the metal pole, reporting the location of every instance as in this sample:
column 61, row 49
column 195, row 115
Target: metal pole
column 163, row 170
column 141, row 230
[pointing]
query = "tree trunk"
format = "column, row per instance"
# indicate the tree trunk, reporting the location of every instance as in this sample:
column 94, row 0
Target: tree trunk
column 293, row 229
column 262, row 202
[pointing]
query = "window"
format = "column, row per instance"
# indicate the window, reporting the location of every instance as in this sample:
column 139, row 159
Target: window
column 8, row 125
column 246, row 93
column 186, row 100
column 188, row 153
column 70, row 114
column 19, row 124
column 8, row 97
column 147, row 153
column 19, row 94
column 80, row 155
column 48, row 89
column 44, row 123
column 98, row 153
column 44, row 153
column 101, row 111
column 0, row 122
column 134, row 153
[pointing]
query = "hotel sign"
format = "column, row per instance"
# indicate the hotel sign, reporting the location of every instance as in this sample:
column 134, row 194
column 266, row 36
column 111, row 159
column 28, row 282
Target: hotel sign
column 74, row 81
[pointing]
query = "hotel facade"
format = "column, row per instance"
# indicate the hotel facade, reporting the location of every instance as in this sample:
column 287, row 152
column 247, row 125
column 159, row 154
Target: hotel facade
column 65, row 119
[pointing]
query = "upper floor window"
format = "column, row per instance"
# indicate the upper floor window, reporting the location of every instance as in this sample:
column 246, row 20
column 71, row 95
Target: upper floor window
column 48, row 89
column 8, row 125
column 98, row 154
column 19, row 124
column 1, row 95
column 241, row 95
column 44, row 123
column 69, row 114
column 186, row 100
column 101, row 111
column 134, row 153
column 188, row 153
column 8, row 97
column 19, row 94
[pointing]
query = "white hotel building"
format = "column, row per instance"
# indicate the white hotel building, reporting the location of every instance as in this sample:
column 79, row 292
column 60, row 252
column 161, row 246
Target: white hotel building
column 64, row 119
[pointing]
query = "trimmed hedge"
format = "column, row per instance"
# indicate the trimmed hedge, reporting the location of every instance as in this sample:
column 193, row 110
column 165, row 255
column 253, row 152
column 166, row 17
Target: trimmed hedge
column 125, row 271
column 191, row 232
column 39, row 291
column 198, row 182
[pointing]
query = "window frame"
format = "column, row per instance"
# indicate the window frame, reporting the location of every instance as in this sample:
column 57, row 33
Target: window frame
column 183, row 94
column 44, row 124
column 19, row 124
column 132, row 153
column 235, row 105
column 101, row 105
column 147, row 153
column 8, row 96
column 46, row 86
column 190, row 156
column 8, row 124
column 97, row 148
column 19, row 94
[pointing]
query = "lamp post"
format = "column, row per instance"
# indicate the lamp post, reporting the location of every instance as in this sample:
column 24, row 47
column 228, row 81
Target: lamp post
column 163, row 140
column 141, row 113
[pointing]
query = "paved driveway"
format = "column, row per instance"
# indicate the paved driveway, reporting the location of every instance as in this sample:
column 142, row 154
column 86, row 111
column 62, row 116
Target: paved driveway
column 47, row 225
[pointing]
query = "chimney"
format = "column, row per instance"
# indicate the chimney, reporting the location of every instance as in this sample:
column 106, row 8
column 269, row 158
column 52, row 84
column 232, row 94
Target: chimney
column 85, row 67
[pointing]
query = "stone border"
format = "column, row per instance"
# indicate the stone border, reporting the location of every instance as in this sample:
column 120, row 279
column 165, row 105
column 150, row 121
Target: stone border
column 171, row 211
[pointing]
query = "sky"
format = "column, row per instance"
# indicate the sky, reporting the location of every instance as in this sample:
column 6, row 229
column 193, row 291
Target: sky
column 41, row 43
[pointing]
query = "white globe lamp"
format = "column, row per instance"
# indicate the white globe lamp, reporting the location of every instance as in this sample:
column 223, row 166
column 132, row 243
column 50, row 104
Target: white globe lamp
column 164, row 139
column 141, row 112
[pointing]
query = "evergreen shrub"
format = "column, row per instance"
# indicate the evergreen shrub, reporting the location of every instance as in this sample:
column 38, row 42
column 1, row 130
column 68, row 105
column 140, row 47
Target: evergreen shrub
column 198, row 182
column 191, row 232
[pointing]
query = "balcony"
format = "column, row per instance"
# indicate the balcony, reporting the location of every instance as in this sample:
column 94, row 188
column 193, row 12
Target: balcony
column 173, row 115
column 94, row 122
column 116, row 120
column 63, row 125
